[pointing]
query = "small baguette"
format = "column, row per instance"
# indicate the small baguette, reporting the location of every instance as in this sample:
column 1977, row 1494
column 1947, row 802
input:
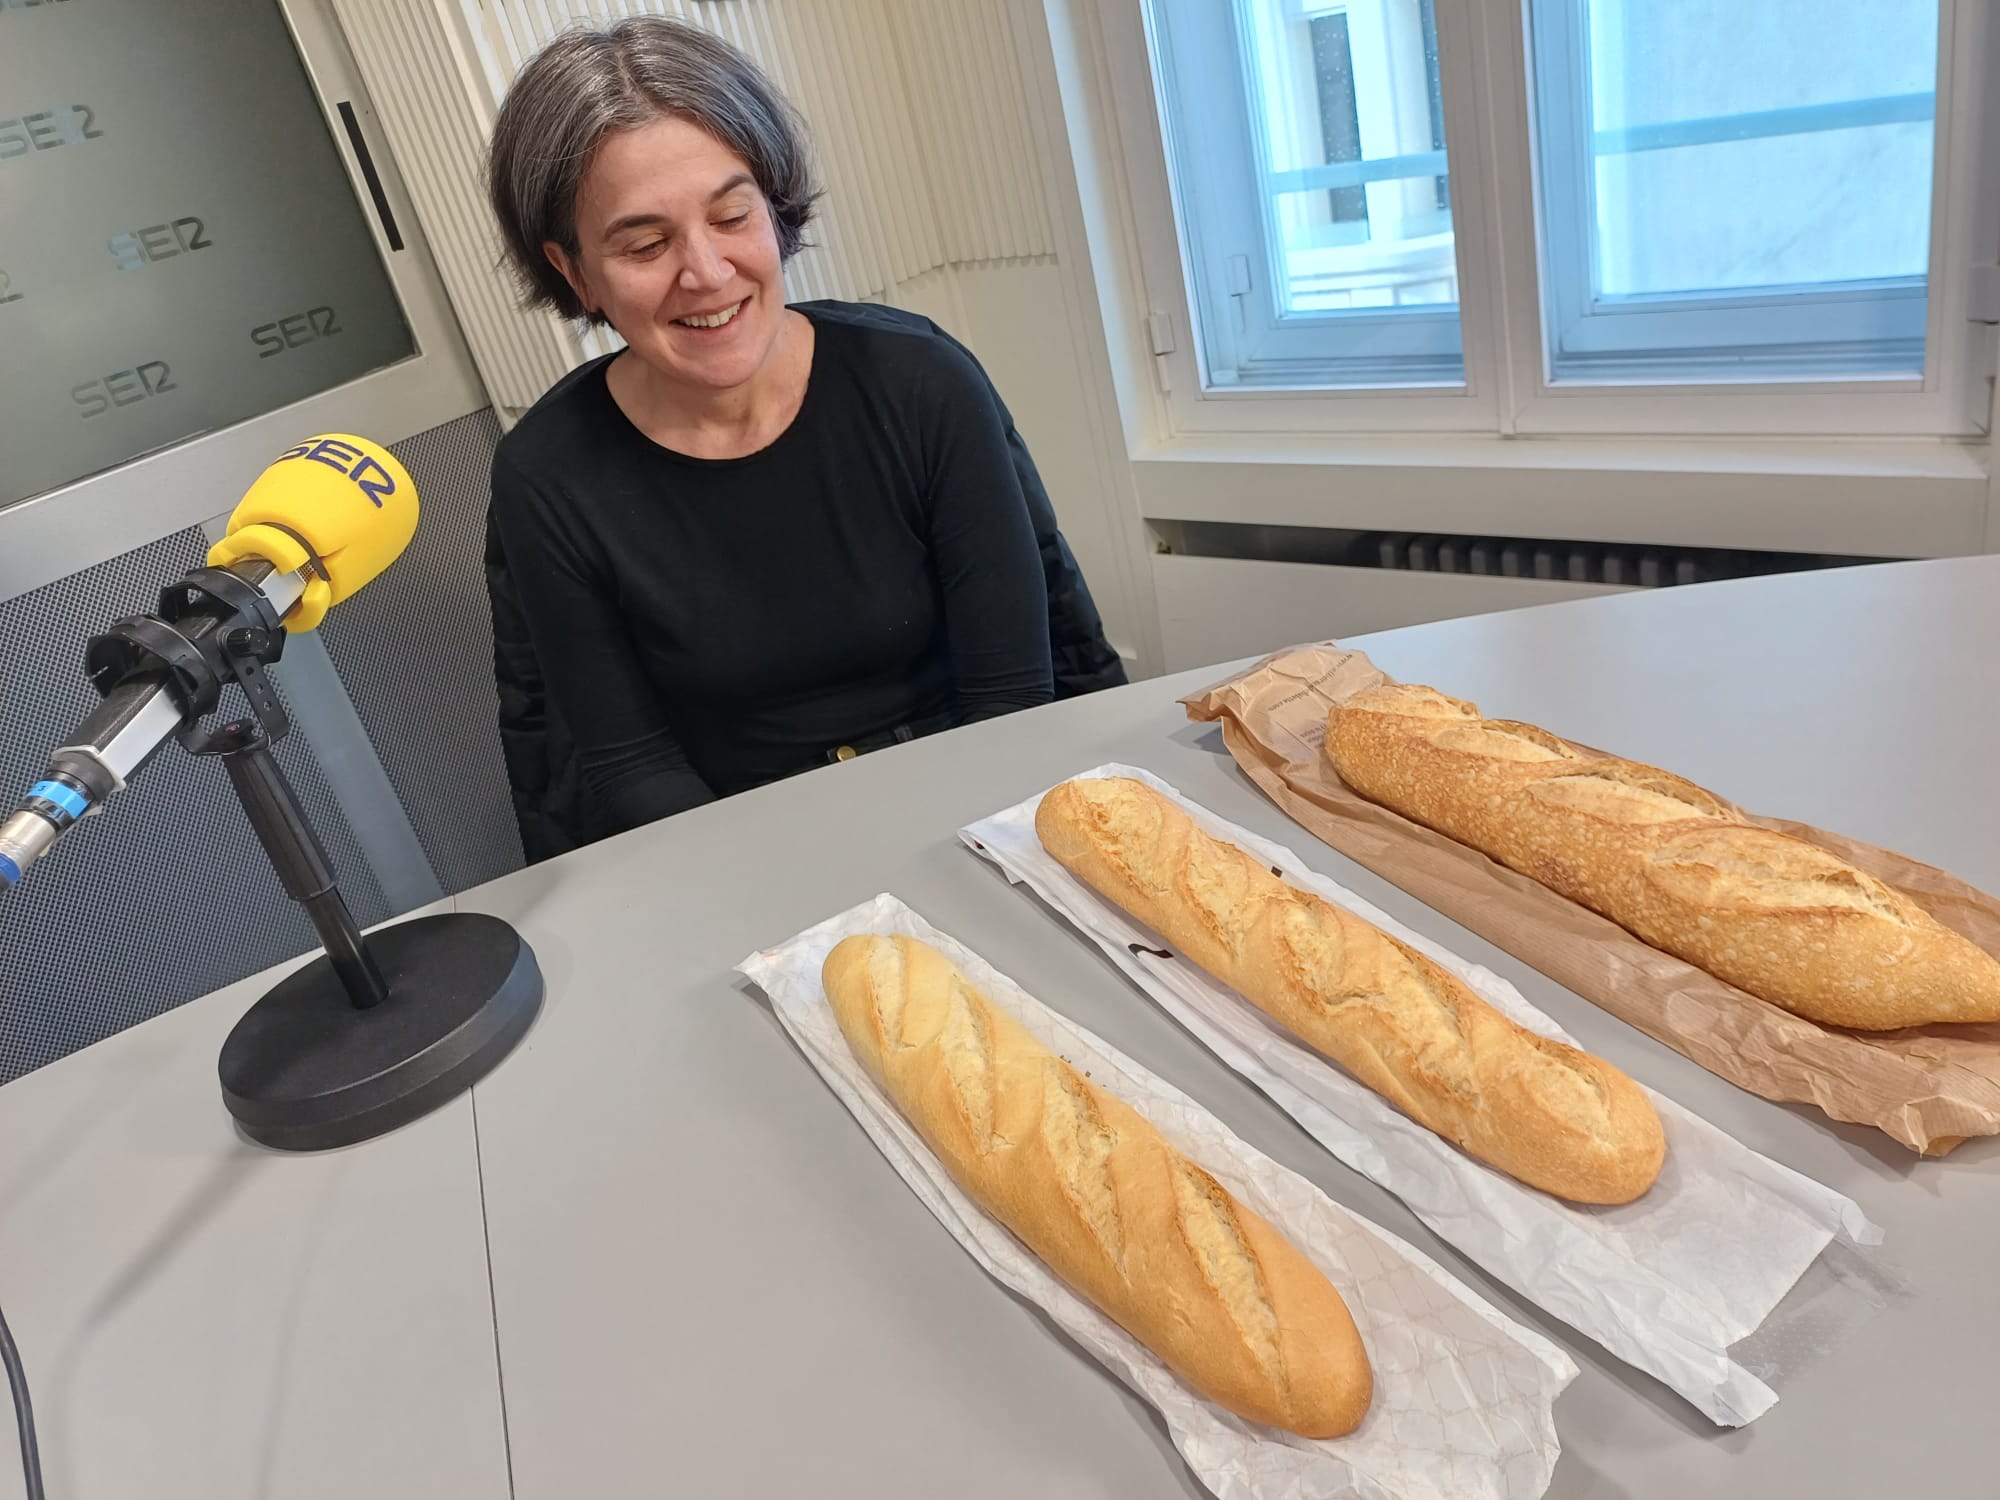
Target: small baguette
column 1675, row 865
column 1094, row 1190
column 1548, row 1114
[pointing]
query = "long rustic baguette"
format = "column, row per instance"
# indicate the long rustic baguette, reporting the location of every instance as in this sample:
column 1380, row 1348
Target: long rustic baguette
column 1681, row 869
column 1093, row 1189
column 1548, row 1114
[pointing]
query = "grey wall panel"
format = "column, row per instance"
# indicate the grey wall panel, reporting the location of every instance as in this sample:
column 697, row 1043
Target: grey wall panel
column 166, row 895
column 415, row 650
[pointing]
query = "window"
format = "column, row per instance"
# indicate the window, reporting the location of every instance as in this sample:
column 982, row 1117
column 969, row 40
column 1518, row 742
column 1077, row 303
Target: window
column 1732, row 189
column 1310, row 166
column 182, row 250
column 1513, row 215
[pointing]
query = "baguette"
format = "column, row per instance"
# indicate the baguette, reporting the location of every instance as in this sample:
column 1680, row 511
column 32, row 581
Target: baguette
column 1677, row 866
column 1095, row 1191
column 1548, row 1114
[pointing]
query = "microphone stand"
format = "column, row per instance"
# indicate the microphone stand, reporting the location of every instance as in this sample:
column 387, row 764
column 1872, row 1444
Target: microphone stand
column 378, row 1030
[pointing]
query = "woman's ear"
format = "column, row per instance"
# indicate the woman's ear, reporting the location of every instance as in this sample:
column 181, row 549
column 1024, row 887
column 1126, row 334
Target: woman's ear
column 571, row 270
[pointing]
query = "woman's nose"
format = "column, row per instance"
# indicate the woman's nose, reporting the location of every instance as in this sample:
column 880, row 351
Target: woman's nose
column 703, row 269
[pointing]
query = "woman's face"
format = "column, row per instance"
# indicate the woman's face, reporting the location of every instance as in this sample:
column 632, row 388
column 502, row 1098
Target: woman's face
column 677, row 248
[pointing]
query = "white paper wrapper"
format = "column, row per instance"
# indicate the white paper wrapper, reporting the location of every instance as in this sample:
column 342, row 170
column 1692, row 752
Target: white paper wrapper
column 1667, row 1284
column 1462, row 1393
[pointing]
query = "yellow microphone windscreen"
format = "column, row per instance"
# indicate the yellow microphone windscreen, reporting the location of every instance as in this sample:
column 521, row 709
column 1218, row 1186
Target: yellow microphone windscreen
column 339, row 505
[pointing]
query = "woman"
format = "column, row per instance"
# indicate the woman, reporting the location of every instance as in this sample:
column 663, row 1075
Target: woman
column 762, row 536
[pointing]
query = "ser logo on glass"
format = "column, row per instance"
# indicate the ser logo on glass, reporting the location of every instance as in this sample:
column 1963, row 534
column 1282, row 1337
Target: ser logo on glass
column 47, row 129
column 123, row 388
column 291, row 332
column 6, row 5
column 7, row 292
column 138, row 247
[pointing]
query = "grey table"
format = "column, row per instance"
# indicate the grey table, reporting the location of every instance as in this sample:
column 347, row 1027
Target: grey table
column 206, row 1320
column 705, row 1281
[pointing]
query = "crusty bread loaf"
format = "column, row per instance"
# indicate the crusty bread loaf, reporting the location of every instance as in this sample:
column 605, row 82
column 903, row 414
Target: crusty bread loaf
column 1093, row 1189
column 1683, row 870
column 1551, row 1115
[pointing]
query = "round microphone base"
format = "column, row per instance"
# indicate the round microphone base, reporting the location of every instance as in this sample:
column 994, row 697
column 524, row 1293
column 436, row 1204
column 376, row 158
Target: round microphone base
column 304, row 1070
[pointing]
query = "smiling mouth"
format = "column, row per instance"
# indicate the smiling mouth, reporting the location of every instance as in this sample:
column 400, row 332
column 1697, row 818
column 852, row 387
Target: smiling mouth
column 712, row 320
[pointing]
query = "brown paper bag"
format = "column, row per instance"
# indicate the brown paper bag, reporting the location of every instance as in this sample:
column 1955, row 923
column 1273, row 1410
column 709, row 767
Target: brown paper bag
column 1929, row 1087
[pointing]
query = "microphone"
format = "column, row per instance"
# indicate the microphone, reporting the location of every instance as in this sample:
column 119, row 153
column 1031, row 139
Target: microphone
column 324, row 519
column 382, row 1027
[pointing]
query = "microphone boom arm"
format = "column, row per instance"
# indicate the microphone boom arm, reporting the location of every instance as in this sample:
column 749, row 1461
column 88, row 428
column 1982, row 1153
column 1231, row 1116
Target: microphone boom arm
column 158, row 674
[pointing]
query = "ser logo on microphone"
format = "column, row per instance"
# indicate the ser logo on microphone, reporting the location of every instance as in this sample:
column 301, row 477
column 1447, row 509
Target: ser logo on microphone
column 369, row 477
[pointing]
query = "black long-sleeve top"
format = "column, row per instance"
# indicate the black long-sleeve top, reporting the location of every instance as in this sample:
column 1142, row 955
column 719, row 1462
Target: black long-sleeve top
column 705, row 625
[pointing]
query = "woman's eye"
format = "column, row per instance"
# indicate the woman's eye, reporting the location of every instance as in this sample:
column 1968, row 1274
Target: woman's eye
column 736, row 222
column 648, row 250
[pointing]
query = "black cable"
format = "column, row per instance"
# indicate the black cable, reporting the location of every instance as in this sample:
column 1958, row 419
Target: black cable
column 24, row 1411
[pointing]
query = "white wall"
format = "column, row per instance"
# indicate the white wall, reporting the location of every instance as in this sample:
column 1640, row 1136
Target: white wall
column 937, row 199
column 977, row 171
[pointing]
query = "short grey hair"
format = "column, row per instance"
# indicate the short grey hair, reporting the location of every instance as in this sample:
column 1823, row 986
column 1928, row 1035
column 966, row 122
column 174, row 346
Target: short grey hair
column 583, row 86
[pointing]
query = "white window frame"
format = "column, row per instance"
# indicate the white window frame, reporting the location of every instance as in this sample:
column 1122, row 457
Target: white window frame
column 1488, row 102
column 1782, row 323
column 1131, row 54
column 1228, row 225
